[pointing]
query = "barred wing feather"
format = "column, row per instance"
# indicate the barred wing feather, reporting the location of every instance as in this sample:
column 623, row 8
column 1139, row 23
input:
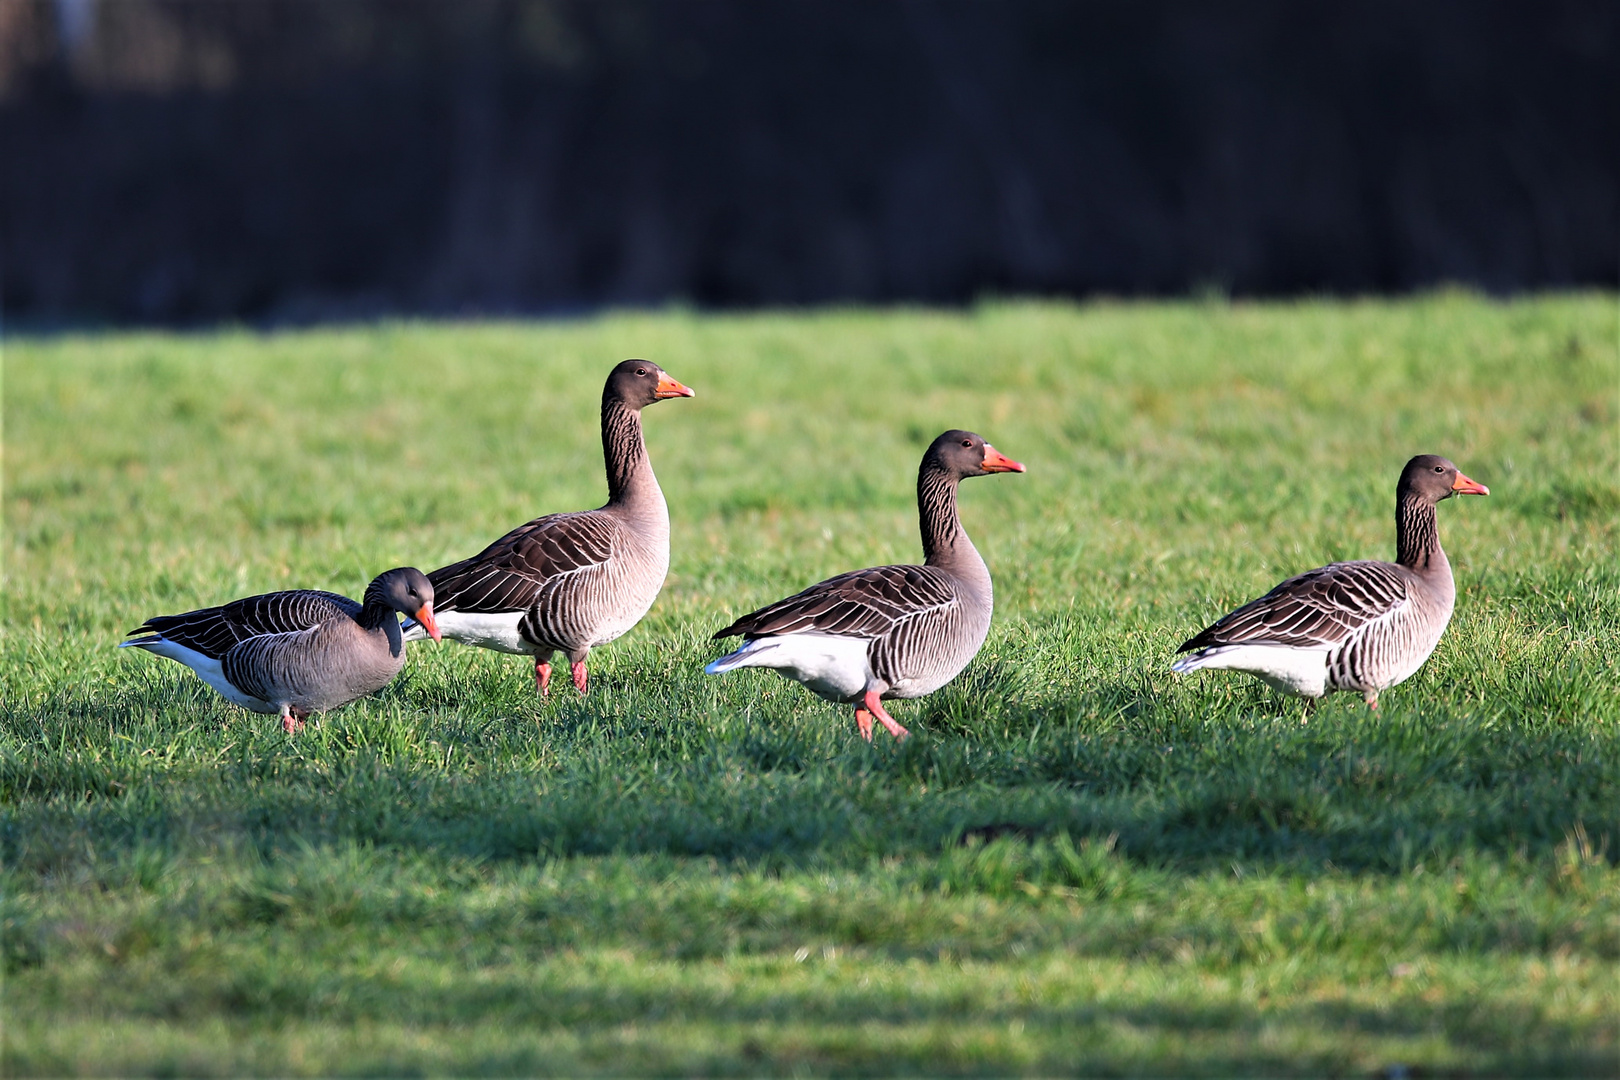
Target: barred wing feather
column 510, row 574
column 213, row 631
column 863, row 603
column 1319, row 609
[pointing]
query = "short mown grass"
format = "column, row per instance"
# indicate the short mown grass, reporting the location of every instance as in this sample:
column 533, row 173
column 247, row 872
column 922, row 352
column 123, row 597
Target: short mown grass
column 1080, row 863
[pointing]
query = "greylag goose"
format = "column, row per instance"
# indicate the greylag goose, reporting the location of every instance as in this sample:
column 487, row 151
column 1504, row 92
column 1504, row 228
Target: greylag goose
column 570, row 582
column 868, row 636
column 1362, row 626
column 297, row 652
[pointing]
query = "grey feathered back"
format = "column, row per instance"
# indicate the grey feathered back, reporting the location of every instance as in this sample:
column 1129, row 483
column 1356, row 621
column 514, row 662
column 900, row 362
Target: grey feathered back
column 212, row 631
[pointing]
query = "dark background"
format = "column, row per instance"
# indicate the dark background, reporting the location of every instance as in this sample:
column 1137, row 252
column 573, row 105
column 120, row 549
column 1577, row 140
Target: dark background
column 288, row 160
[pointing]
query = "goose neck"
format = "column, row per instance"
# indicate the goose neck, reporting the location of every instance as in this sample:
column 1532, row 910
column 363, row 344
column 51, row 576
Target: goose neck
column 945, row 543
column 1417, row 535
column 375, row 612
column 629, row 474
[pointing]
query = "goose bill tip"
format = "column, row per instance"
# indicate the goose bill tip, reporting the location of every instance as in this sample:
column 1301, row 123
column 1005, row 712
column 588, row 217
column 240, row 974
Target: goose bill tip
column 670, row 388
column 425, row 617
column 1465, row 486
column 995, row 461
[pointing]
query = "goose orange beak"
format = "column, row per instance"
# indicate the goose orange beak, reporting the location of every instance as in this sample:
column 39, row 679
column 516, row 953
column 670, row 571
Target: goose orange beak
column 668, row 388
column 1465, row 486
column 996, row 461
column 425, row 617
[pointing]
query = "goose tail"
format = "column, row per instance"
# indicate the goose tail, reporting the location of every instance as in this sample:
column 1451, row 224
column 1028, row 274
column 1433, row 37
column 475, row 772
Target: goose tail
column 747, row 656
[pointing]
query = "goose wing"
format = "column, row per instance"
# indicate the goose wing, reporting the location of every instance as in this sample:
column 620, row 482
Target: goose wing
column 863, row 603
column 213, row 631
column 1316, row 610
column 272, row 667
column 509, row 574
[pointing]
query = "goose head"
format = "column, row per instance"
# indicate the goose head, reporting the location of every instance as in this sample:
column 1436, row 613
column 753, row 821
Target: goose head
column 1431, row 478
column 639, row 383
column 962, row 454
column 408, row 591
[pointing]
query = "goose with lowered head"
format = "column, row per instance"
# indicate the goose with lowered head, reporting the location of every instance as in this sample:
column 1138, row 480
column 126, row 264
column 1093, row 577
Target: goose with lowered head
column 296, row 652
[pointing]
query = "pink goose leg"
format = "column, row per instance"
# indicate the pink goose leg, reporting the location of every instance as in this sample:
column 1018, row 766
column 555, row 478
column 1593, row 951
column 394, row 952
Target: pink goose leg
column 542, row 676
column 871, row 705
column 577, row 667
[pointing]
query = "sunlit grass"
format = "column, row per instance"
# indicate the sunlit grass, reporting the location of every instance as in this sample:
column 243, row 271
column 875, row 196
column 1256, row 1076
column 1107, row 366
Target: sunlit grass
column 1080, row 863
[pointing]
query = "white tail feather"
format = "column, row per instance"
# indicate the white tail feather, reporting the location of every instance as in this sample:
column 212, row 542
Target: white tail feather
column 831, row 665
column 208, row 669
column 1284, row 667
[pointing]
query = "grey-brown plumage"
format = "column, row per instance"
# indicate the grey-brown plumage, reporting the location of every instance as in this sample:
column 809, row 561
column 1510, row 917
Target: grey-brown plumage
column 570, row 582
column 1361, row 626
column 297, row 652
column 890, row 631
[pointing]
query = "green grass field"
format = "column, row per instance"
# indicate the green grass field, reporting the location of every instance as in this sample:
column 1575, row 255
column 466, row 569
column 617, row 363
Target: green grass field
column 1080, row 863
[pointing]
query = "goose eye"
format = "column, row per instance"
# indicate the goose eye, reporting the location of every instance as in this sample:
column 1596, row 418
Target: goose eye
column 1439, row 468
column 641, row 371
column 968, row 443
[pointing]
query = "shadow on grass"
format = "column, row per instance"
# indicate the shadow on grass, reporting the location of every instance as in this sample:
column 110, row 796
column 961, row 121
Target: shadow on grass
column 789, row 781
column 780, row 1023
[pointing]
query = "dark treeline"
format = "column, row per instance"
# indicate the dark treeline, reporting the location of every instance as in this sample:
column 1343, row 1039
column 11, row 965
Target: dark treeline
column 295, row 159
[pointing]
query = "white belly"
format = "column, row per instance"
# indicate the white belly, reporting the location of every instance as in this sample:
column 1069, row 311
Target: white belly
column 1292, row 670
column 834, row 667
column 487, row 630
column 209, row 671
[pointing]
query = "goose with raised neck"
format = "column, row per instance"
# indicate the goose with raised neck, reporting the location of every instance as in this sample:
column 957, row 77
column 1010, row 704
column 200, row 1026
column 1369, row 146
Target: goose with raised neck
column 573, row 581
column 299, row 651
column 887, row 632
column 1360, row 626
